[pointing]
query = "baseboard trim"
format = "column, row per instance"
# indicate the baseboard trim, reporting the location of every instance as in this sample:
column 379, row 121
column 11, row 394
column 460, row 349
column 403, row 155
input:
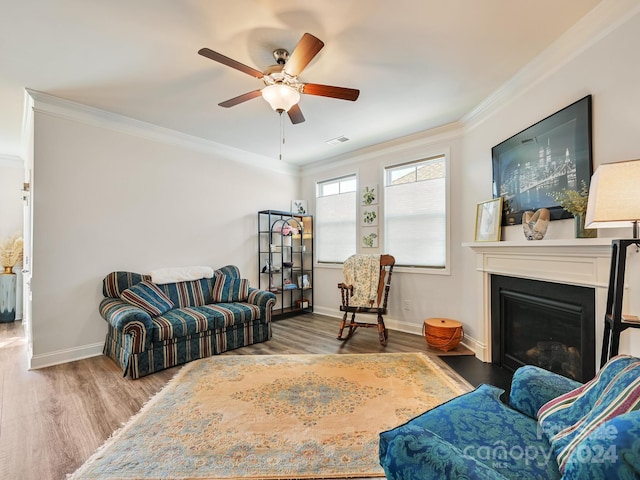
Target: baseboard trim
column 65, row 356
column 93, row 350
column 408, row 327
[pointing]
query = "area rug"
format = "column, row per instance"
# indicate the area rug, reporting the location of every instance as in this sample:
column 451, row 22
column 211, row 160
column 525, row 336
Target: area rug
column 274, row 417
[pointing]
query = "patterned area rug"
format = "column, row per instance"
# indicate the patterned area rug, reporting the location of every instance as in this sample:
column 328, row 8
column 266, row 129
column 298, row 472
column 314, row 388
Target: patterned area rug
column 268, row 417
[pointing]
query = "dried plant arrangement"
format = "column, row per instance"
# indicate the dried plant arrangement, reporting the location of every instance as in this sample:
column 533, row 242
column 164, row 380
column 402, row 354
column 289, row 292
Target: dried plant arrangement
column 11, row 251
column 573, row 201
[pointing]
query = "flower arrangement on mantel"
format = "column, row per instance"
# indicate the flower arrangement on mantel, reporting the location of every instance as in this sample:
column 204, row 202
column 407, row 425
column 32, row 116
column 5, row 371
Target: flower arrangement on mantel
column 574, row 202
column 11, row 251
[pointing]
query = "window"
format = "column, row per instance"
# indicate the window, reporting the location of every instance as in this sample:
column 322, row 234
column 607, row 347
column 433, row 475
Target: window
column 336, row 219
column 415, row 213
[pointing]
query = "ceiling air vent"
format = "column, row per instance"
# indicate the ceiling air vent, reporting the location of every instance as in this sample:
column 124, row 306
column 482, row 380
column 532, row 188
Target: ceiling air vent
column 338, row 140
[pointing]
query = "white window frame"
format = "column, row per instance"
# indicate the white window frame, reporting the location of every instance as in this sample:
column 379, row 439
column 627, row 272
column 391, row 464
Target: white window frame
column 424, row 156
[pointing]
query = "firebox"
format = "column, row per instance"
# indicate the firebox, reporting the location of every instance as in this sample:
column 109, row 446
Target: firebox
column 547, row 324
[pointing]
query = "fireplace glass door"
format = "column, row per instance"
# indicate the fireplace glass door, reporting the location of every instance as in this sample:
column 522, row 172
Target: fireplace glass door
column 545, row 324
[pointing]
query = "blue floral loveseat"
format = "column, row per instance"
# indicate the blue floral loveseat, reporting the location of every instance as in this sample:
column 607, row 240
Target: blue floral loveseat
column 553, row 428
column 156, row 326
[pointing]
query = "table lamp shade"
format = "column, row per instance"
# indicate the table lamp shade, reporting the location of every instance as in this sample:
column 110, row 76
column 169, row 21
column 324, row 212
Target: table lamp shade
column 614, row 196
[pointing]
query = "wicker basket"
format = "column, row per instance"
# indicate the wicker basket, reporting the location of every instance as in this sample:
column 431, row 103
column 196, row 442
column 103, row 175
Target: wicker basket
column 442, row 333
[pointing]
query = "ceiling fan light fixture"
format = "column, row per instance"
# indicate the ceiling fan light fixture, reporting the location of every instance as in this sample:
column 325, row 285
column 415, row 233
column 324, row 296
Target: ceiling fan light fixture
column 280, row 97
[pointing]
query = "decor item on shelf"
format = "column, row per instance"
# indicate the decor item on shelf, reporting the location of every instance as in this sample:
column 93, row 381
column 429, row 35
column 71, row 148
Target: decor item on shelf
column 535, row 224
column 287, row 230
column 303, row 281
column 575, row 202
column 614, row 202
column 552, row 154
column 11, row 251
column 488, row 220
column 299, row 206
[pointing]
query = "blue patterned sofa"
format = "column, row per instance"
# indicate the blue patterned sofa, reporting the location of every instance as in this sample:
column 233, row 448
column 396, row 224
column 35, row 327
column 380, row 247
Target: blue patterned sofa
column 153, row 327
column 553, row 428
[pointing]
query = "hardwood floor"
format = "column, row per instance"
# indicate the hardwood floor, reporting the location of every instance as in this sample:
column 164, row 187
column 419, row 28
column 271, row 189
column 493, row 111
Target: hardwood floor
column 52, row 419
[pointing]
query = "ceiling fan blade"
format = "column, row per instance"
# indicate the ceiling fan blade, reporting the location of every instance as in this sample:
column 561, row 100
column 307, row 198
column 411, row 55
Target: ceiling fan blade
column 329, row 91
column 307, row 48
column 295, row 114
column 240, row 98
column 230, row 62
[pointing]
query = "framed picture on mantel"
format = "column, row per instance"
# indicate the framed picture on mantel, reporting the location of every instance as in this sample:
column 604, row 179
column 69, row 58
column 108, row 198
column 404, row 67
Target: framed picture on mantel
column 551, row 156
column 488, row 220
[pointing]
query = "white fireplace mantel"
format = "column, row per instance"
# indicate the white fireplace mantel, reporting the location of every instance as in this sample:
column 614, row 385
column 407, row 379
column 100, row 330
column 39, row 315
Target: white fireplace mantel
column 581, row 262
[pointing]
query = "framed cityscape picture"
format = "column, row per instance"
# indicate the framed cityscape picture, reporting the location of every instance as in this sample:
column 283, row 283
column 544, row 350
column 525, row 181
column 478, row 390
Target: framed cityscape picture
column 553, row 155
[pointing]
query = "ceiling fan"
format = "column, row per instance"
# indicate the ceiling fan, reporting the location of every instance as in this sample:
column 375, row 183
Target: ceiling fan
column 282, row 88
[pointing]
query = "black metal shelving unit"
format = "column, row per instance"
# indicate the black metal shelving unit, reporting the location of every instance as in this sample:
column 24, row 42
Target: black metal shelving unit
column 285, row 262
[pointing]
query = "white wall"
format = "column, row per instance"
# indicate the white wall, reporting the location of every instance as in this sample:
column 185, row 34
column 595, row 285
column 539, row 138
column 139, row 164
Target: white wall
column 11, row 179
column 109, row 199
column 607, row 70
column 433, row 295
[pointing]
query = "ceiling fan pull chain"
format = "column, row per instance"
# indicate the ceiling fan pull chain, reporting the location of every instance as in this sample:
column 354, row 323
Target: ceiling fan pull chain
column 281, row 133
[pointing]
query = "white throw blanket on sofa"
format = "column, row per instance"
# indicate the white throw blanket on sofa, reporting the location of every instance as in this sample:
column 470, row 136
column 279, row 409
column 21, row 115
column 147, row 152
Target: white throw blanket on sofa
column 180, row 274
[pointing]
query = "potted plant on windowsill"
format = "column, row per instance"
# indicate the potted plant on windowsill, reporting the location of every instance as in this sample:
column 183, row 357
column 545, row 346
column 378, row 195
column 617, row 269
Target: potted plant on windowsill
column 575, row 202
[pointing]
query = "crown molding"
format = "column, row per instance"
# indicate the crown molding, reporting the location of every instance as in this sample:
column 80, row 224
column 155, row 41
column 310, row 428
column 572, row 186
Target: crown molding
column 51, row 105
column 606, row 17
column 420, row 140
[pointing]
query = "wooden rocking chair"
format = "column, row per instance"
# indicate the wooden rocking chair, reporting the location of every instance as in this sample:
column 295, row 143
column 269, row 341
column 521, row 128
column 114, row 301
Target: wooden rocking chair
column 378, row 307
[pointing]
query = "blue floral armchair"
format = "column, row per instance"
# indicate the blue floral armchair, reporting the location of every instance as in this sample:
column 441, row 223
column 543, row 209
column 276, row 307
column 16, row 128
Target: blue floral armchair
column 552, row 428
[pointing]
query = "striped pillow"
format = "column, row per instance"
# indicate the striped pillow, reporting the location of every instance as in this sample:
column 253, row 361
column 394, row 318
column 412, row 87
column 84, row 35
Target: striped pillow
column 148, row 297
column 569, row 419
column 229, row 289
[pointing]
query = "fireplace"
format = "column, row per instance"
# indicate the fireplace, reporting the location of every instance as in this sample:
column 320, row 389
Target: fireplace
column 541, row 323
column 568, row 261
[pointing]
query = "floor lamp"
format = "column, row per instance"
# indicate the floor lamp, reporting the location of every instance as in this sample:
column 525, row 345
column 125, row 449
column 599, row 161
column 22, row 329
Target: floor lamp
column 614, row 202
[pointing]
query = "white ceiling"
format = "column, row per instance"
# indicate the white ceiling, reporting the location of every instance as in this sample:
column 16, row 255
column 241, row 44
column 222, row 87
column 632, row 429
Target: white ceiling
column 419, row 64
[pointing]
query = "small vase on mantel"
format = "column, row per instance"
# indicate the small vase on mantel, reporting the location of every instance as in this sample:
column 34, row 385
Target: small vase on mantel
column 582, row 232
